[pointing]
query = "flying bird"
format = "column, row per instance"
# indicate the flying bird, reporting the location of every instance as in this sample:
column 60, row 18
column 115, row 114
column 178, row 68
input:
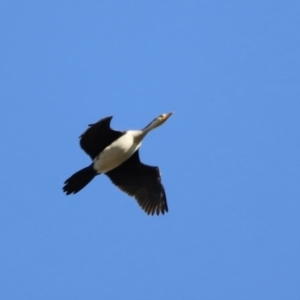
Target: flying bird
column 116, row 154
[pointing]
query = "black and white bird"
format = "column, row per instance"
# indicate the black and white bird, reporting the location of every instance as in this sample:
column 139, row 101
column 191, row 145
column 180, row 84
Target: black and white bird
column 115, row 154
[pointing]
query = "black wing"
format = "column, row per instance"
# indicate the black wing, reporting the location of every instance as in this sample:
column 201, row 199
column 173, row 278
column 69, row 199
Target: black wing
column 98, row 136
column 141, row 181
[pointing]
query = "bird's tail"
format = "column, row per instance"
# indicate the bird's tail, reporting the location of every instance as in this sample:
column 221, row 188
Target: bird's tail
column 79, row 180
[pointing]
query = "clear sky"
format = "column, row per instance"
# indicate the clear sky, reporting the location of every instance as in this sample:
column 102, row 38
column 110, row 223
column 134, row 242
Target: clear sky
column 229, row 156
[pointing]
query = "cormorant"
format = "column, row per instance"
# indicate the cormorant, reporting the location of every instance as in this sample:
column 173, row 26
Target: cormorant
column 115, row 154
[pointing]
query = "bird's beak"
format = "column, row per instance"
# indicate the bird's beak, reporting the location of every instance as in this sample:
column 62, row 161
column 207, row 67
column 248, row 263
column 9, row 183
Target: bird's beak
column 167, row 116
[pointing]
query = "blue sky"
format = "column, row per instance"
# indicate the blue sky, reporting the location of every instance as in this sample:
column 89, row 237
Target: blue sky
column 229, row 156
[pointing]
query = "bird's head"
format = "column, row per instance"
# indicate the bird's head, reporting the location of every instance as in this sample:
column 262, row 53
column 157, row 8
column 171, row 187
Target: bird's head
column 161, row 119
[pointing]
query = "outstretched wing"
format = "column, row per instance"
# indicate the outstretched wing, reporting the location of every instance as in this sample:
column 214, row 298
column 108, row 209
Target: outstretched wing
column 98, row 136
column 141, row 181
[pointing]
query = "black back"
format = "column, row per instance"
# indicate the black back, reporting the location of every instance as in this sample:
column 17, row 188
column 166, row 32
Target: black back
column 141, row 181
column 98, row 136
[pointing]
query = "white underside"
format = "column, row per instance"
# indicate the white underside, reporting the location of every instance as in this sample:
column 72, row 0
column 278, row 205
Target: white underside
column 115, row 154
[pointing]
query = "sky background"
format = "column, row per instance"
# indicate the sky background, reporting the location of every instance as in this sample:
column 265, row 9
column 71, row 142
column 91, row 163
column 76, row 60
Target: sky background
column 229, row 156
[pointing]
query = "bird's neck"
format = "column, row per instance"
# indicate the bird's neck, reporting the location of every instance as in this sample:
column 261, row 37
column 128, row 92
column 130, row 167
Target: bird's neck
column 149, row 127
column 140, row 134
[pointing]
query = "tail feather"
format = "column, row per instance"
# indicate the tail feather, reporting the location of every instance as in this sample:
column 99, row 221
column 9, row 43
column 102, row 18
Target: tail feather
column 79, row 180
